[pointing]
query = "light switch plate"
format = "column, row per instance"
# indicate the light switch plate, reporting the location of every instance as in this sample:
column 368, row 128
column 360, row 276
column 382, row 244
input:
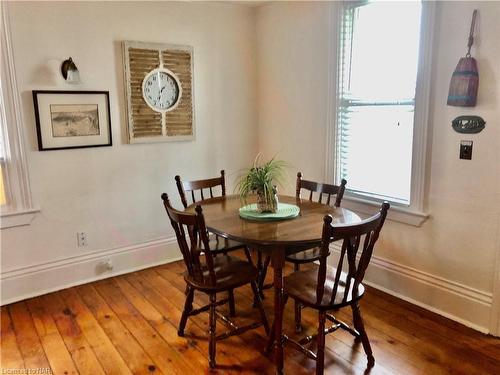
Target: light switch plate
column 466, row 150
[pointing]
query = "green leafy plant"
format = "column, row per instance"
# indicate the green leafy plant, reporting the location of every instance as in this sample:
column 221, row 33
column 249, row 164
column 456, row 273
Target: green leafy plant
column 261, row 178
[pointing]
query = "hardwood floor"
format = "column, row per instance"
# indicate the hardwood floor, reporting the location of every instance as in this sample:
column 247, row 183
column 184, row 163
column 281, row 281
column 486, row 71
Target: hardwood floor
column 128, row 325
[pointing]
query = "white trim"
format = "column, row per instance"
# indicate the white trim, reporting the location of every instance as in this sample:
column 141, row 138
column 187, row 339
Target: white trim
column 16, row 165
column 453, row 300
column 37, row 279
column 425, row 306
column 397, row 213
column 18, row 218
column 422, row 101
column 332, row 96
column 495, row 306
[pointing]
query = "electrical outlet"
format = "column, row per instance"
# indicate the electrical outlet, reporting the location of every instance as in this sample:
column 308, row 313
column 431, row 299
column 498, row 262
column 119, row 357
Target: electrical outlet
column 108, row 265
column 82, row 239
column 466, row 150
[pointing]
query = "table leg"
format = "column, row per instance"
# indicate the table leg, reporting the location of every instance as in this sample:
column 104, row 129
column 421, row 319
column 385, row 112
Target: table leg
column 278, row 262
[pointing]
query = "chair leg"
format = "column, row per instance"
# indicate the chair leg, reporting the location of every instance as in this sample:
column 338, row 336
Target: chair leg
column 360, row 327
column 188, row 307
column 320, row 360
column 246, row 249
column 211, row 345
column 232, row 309
column 298, row 306
column 260, row 306
column 263, row 274
column 259, row 269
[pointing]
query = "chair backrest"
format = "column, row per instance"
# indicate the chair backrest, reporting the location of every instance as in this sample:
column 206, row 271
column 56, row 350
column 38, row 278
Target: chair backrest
column 321, row 189
column 192, row 225
column 351, row 237
column 191, row 186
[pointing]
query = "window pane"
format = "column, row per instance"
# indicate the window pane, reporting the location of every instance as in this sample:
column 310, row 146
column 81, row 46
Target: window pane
column 379, row 71
column 376, row 150
column 3, row 195
column 385, row 51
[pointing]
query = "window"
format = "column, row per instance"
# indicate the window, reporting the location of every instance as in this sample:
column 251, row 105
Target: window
column 3, row 193
column 15, row 196
column 381, row 104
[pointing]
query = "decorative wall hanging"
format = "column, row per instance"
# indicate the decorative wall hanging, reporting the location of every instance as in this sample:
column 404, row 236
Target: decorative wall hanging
column 468, row 124
column 465, row 79
column 159, row 92
column 72, row 119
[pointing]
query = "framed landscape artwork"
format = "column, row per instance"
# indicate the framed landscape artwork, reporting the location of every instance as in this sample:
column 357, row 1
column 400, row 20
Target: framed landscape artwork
column 72, row 119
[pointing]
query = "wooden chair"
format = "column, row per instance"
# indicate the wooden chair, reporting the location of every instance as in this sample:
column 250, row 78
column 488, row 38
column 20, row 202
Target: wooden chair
column 324, row 193
column 199, row 188
column 210, row 275
column 325, row 288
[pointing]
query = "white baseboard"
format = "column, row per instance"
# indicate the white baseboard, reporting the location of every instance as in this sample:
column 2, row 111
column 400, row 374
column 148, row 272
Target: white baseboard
column 32, row 281
column 453, row 300
column 461, row 303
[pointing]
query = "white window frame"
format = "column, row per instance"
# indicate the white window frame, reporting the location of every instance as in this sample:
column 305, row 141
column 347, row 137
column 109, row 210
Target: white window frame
column 18, row 209
column 415, row 213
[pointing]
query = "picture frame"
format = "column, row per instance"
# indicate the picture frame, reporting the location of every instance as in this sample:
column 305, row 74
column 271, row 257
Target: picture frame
column 72, row 119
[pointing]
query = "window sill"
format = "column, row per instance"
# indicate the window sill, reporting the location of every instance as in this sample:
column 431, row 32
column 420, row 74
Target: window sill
column 396, row 213
column 17, row 219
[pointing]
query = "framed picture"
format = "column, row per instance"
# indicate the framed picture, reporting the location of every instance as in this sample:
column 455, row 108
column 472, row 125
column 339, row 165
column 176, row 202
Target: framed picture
column 72, row 119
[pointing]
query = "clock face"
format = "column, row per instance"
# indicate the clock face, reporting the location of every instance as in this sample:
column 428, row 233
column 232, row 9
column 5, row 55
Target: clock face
column 161, row 90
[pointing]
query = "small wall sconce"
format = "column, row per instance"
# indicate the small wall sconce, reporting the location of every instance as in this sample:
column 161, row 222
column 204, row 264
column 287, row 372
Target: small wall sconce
column 70, row 72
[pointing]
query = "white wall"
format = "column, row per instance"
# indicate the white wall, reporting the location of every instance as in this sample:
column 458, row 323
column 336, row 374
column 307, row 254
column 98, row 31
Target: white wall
column 292, row 62
column 268, row 69
column 113, row 193
column 448, row 263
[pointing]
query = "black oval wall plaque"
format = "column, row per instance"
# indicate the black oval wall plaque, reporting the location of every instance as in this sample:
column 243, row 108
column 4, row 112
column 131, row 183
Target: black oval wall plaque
column 468, row 124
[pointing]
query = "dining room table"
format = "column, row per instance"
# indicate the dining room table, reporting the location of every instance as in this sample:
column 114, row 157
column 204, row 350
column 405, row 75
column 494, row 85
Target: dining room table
column 278, row 238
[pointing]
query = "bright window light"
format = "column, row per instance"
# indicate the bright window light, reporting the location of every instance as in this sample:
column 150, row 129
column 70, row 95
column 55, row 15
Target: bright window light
column 378, row 72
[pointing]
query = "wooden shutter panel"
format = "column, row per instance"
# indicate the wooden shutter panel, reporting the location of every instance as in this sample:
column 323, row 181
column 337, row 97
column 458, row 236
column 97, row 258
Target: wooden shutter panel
column 144, row 123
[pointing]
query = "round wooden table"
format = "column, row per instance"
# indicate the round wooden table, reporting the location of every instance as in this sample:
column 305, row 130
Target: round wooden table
column 277, row 238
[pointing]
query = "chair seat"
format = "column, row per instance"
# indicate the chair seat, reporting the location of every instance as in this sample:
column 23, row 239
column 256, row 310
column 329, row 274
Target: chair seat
column 230, row 273
column 302, row 286
column 305, row 256
column 220, row 244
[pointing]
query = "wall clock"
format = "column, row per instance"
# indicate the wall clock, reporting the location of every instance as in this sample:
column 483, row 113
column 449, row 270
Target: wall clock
column 159, row 87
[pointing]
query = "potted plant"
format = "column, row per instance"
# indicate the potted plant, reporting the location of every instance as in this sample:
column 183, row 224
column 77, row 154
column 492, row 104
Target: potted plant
column 261, row 179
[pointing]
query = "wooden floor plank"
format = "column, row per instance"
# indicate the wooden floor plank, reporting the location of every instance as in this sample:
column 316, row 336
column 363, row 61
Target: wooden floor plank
column 166, row 358
column 128, row 324
column 58, row 356
column 171, row 275
column 423, row 321
column 109, row 357
column 27, row 337
column 437, row 353
column 340, row 355
column 137, row 359
column 78, row 347
column 11, row 357
column 197, row 326
column 161, row 323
